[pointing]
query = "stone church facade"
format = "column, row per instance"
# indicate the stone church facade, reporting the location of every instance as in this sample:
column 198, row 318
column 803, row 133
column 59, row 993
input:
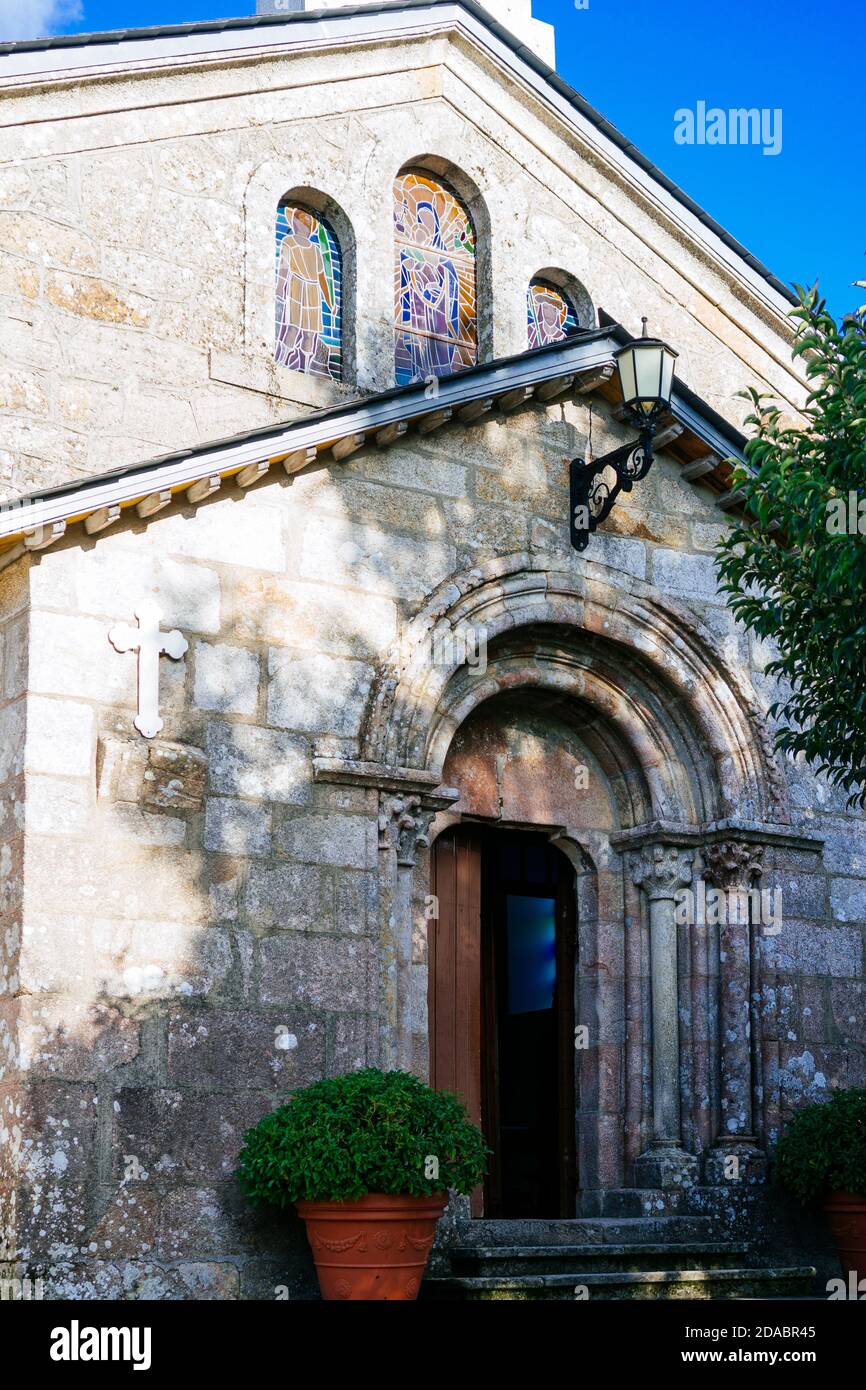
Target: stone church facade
column 254, row 859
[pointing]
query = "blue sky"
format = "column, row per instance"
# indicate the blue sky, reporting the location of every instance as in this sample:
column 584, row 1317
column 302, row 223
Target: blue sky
column 801, row 211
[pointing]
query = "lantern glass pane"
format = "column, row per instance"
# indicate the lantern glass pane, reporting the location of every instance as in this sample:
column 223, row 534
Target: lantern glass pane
column 625, row 362
column 667, row 375
column 648, row 372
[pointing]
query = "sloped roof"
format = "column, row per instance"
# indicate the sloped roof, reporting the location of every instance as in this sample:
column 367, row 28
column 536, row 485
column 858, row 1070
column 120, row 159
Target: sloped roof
column 700, row 439
column 263, row 24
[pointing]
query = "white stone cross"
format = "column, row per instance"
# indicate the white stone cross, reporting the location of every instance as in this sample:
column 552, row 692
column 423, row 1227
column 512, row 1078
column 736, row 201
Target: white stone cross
column 150, row 644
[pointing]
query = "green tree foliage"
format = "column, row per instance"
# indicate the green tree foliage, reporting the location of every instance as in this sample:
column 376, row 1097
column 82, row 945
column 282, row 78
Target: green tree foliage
column 795, row 568
column 367, row 1131
column 824, row 1147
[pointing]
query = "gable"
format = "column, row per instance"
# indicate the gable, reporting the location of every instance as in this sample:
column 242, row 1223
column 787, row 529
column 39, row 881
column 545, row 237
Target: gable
column 81, row 55
column 139, row 230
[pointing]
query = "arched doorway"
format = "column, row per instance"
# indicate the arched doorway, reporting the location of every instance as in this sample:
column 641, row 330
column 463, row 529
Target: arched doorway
column 501, row 981
column 580, row 674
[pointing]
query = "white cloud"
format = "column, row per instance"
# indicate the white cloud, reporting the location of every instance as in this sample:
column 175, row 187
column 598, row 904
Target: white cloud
column 36, row 19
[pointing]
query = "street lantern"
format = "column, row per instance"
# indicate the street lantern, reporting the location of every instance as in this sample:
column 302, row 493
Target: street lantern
column 646, row 375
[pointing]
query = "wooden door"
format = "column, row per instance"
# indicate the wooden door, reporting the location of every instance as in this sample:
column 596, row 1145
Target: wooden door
column 475, row 871
column 454, row 972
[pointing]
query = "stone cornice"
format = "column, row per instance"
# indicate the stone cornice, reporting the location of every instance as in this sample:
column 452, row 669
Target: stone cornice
column 403, row 781
column 763, row 833
column 716, row 832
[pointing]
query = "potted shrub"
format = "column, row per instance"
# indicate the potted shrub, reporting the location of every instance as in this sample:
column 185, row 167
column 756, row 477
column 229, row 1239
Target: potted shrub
column 368, row 1159
column 822, row 1156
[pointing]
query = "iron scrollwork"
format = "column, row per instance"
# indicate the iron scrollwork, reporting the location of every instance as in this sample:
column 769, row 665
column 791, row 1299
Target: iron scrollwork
column 596, row 486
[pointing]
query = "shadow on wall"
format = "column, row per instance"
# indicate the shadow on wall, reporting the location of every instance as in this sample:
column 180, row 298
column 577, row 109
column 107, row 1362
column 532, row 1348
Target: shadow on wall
column 201, row 919
column 168, row 997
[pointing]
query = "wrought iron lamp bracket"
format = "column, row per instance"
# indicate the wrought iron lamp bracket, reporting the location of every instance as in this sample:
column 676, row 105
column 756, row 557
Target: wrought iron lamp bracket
column 596, row 486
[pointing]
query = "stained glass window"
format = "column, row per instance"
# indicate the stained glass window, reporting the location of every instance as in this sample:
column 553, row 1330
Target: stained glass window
column 435, row 317
column 550, row 315
column 309, row 294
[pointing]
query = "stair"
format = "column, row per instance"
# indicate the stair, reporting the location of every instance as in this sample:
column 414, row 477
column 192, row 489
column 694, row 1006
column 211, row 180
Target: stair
column 611, row 1258
column 468, row 1261
column 642, row 1284
column 588, row 1230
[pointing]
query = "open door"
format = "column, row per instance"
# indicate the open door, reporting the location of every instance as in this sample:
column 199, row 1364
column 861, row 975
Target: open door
column 454, row 973
column 501, row 1008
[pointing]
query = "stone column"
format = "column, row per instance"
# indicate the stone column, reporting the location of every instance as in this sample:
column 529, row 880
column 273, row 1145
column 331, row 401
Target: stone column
column 733, row 868
column 403, row 825
column 661, row 870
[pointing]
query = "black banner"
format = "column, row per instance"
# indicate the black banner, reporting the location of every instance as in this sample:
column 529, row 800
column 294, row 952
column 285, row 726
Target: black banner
column 58, row 1340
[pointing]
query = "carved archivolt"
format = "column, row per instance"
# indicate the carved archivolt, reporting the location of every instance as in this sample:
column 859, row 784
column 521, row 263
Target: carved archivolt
column 691, row 726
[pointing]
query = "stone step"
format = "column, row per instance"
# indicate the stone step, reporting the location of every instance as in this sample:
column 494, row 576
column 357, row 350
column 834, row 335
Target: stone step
column 495, row 1260
column 704, row 1284
column 592, row 1230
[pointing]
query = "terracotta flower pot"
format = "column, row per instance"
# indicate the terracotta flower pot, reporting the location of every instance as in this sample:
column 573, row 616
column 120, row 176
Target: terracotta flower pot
column 846, row 1213
column 374, row 1248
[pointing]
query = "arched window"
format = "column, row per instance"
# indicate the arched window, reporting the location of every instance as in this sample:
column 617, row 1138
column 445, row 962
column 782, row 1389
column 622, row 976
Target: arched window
column 435, row 314
column 550, row 314
column 309, row 318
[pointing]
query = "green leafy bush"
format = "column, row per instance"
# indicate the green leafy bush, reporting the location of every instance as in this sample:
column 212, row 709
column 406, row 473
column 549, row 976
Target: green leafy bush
column 794, row 569
column 368, row 1131
column 824, row 1147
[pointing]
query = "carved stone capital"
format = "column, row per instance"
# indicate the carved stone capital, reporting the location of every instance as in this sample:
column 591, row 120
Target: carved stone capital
column 403, row 825
column 732, row 863
column 661, row 870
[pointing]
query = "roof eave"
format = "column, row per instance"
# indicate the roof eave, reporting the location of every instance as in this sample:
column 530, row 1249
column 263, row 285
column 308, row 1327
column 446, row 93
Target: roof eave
column 581, row 364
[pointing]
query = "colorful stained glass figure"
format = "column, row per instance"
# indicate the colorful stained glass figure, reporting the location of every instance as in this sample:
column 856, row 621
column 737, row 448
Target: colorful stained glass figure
column 435, row 318
column 550, row 315
column 309, row 294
